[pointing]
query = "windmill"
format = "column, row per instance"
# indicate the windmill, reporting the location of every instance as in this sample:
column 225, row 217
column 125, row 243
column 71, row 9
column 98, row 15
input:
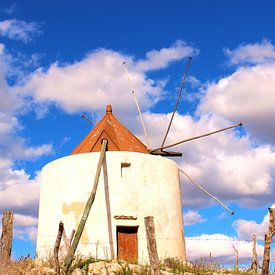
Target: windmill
column 109, row 212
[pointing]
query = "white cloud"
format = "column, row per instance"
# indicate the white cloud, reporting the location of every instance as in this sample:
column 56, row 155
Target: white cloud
column 21, row 195
column 160, row 59
column 19, row 29
column 245, row 228
column 99, row 78
column 11, row 9
column 2, row 48
column 192, row 217
column 26, row 233
column 17, row 192
column 227, row 165
column 91, row 83
column 7, row 123
column 25, row 220
column 32, row 152
column 24, row 227
column 13, row 146
column 256, row 53
column 194, row 82
column 248, row 96
column 10, row 100
column 221, row 248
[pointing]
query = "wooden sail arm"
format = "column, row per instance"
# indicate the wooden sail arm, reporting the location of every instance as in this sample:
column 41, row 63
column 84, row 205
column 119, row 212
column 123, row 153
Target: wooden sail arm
column 137, row 105
column 196, row 137
column 177, row 102
column 205, row 191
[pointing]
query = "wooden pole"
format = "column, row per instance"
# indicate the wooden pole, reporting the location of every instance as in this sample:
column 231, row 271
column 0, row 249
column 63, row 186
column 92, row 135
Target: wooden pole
column 71, row 237
column 152, row 245
column 266, row 257
column 205, row 191
column 268, row 239
column 80, row 228
column 254, row 265
column 196, row 137
column 177, row 102
column 237, row 258
column 65, row 239
column 6, row 237
column 56, row 247
column 108, row 207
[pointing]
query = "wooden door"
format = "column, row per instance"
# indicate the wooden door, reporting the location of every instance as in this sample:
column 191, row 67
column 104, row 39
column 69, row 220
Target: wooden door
column 127, row 243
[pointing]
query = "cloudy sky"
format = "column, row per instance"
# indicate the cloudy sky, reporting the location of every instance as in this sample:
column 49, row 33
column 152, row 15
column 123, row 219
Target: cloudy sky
column 62, row 59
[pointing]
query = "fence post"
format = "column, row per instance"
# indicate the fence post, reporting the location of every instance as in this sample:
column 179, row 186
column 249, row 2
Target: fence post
column 6, row 237
column 266, row 257
column 152, row 245
column 254, row 265
column 268, row 239
column 237, row 258
column 56, row 247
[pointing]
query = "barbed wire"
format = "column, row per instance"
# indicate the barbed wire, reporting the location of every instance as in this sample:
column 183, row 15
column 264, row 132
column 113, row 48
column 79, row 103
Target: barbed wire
column 159, row 238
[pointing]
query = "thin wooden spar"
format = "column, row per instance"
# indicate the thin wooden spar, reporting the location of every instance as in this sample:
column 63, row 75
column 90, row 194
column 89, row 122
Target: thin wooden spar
column 196, row 137
column 136, row 101
column 80, row 228
column 177, row 103
column 204, row 190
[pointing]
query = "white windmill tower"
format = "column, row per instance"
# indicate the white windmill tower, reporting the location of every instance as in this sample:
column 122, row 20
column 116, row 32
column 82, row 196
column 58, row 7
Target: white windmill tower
column 139, row 185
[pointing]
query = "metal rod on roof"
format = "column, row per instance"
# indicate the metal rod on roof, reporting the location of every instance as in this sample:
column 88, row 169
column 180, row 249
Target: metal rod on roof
column 177, row 102
column 136, row 101
column 197, row 137
column 204, row 190
column 88, row 119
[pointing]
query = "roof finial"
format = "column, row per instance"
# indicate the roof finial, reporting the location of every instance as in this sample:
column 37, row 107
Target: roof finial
column 108, row 109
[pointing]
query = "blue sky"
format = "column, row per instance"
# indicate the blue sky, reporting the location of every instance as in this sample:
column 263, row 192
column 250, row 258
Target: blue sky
column 60, row 59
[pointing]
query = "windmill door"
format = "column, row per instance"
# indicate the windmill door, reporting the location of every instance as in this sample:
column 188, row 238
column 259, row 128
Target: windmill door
column 127, row 243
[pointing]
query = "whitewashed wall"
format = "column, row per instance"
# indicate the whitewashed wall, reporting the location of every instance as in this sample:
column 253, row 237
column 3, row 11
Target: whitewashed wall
column 149, row 187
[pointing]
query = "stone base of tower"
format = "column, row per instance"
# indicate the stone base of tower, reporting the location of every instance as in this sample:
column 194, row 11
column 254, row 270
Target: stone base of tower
column 140, row 185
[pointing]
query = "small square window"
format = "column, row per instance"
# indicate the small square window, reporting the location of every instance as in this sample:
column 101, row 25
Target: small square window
column 125, row 166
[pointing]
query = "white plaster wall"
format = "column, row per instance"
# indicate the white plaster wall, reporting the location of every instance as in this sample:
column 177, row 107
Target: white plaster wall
column 149, row 187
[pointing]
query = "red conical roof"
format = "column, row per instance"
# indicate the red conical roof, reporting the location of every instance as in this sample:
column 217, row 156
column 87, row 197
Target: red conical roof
column 119, row 138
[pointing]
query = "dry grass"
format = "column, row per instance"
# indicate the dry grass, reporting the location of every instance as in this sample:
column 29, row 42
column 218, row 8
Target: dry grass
column 86, row 265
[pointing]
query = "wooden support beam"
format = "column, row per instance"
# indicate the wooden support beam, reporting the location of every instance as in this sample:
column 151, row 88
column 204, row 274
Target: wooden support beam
column 6, row 237
column 266, row 257
column 108, row 207
column 56, row 248
column 65, row 239
column 236, row 259
column 80, row 228
column 71, row 237
column 254, row 265
column 268, row 239
column 152, row 245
